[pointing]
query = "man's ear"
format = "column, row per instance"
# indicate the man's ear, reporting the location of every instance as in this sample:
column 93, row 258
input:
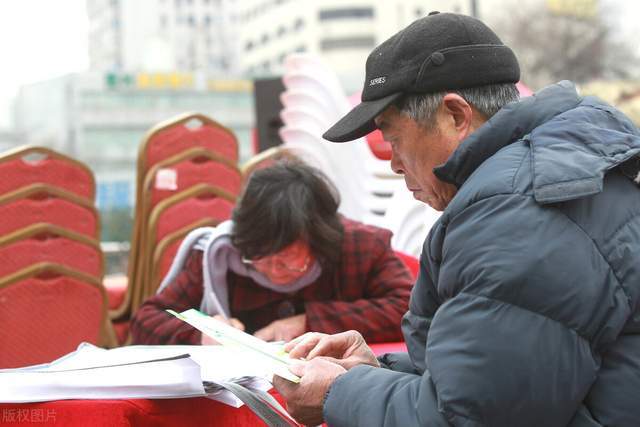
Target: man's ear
column 463, row 117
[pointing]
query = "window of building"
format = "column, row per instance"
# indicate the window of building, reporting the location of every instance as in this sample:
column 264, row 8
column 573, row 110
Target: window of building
column 266, row 66
column 248, row 46
column 418, row 12
column 347, row 43
column 347, row 13
column 265, row 38
column 191, row 20
column 207, row 20
column 281, row 31
column 163, row 21
column 299, row 24
column 300, row 49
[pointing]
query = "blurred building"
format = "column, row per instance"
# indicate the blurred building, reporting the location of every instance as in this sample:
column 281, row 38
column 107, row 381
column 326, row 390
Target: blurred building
column 342, row 32
column 250, row 38
column 162, row 35
column 101, row 118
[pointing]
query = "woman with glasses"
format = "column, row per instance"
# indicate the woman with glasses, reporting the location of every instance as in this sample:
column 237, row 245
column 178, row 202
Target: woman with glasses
column 286, row 263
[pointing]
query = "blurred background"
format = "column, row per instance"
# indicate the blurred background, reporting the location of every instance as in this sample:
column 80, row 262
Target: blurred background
column 89, row 78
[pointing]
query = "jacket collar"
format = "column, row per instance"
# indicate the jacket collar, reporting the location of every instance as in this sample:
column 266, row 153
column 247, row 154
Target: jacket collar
column 574, row 141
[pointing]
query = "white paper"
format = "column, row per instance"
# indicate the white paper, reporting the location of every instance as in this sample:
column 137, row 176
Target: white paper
column 131, row 372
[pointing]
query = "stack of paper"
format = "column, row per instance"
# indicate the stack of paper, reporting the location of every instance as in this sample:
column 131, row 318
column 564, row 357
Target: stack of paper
column 154, row 371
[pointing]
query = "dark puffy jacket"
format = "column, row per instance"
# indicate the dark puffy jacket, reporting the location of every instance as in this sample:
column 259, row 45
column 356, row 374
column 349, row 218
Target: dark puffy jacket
column 526, row 311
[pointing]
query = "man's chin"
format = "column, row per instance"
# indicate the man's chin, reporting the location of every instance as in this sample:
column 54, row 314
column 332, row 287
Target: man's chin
column 434, row 203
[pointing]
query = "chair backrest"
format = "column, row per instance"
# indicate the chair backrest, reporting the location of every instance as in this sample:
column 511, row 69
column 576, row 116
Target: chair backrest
column 167, row 141
column 194, row 166
column 199, row 202
column 46, row 310
column 265, row 159
column 28, row 165
column 176, row 135
column 49, row 243
column 167, row 248
column 44, row 203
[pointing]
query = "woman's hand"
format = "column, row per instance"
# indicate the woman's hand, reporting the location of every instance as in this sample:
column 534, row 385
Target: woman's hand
column 284, row 329
column 207, row 340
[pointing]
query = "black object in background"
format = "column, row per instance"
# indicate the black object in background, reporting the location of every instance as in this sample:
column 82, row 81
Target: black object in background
column 266, row 93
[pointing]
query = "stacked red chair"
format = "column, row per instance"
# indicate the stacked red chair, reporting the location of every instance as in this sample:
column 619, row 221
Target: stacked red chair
column 46, row 310
column 51, row 292
column 187, row 177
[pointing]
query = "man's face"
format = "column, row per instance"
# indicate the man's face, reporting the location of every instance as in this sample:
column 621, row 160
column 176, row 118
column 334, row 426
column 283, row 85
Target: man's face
column 415, row 151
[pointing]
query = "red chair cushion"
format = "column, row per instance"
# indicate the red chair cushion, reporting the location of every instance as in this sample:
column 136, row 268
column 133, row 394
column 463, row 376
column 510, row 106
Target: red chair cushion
column 189, row 173
column 191, row 210
column 24, row 212
column 178, row 138
column 16, row 173
column 45, row 318
column 60, row 250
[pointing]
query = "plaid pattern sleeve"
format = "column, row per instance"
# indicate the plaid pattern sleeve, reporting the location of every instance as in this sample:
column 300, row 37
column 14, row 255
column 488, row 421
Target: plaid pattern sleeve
column 372, row 284
column 151, row 324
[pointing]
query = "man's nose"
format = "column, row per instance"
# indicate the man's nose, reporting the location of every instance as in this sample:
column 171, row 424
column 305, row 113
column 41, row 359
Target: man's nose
column 396, row 165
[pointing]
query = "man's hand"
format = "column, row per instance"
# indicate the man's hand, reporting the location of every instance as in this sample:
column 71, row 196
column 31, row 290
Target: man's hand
column 304, row 400
column 207, row 340
column 347, row 349
column 284, row 329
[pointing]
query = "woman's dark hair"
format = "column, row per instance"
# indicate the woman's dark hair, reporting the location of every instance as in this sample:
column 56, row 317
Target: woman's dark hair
column 286, row 202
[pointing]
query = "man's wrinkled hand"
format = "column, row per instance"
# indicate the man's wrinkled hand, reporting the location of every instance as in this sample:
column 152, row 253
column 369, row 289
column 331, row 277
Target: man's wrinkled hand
column 305, row 400
column 283, row 329
column 347, row 349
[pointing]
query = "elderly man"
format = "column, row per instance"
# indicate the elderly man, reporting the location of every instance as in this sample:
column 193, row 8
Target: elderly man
column 526, row 311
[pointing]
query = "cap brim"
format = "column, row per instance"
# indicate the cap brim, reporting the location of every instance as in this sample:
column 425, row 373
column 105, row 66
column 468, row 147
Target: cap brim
column 359, row 121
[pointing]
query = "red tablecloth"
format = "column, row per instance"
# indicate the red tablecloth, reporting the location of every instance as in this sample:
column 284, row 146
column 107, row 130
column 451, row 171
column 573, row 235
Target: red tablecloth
column 200, row 411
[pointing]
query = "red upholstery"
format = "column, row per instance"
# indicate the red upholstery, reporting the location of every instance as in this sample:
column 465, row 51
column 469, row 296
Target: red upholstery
column 45, row 318
column 191, row 210
column 16, row 173
column 121, row 328
column 64, row 213
column 388, row 347
column 191, row 172
column 174, row 139
column 378, row 146
column 411, row 262
column 50, row 248
column 166, row 259
column 116, row 287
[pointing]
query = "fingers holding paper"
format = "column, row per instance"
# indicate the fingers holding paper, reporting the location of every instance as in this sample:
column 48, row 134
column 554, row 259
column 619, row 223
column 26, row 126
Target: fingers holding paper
column 347, row 349
column 305, row 399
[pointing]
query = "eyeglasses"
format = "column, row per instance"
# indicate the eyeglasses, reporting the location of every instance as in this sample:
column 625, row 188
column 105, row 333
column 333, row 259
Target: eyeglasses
column 264, row 263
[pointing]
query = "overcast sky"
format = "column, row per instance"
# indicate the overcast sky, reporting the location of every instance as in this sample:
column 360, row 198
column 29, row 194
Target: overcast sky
column 41, row 39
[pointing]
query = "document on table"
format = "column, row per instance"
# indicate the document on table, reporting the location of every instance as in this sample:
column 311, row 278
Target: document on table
column 151, row 372
column 260, row 354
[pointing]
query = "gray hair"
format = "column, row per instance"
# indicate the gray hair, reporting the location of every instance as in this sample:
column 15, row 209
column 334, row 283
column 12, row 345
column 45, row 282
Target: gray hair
column 488, row 100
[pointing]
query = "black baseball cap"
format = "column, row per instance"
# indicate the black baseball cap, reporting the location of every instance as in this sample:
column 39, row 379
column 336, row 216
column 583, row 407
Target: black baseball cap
column 442, row 51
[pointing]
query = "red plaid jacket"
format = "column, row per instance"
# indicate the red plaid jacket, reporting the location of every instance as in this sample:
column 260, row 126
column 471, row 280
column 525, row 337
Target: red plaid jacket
column 369, row 292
